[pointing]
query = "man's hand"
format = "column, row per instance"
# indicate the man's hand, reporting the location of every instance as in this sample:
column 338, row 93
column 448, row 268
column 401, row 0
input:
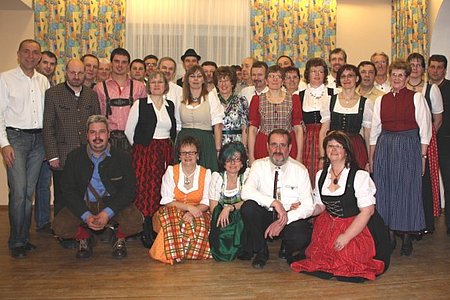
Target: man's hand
column 282, row 214
column 9, row 156
column 91, row 222
column 273, row 230
column 54, row 164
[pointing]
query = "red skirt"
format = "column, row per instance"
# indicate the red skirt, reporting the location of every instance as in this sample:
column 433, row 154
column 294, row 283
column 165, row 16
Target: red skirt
column 311, row 150
column 261, row 146
column 150, row 163
column 360, row 150
column 355, row 260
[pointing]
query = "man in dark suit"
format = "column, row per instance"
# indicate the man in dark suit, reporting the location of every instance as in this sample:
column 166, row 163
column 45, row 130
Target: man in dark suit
column 67, row 107
column 99, row 185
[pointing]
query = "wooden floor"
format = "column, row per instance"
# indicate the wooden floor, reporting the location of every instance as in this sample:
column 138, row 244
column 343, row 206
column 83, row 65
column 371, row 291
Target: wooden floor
column 51, row 272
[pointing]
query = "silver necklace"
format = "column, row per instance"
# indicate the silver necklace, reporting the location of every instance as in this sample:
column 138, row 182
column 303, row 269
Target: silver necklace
column 187, row 181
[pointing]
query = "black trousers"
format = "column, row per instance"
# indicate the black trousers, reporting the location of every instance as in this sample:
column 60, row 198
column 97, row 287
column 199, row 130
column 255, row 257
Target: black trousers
column 444, row 164
column 295, row 236
column 58, row 203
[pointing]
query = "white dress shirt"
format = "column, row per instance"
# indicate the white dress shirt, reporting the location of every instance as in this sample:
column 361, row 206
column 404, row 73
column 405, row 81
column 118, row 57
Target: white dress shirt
column 175, row 94
column 21, row 101
column 250, row 91
column 293, row 182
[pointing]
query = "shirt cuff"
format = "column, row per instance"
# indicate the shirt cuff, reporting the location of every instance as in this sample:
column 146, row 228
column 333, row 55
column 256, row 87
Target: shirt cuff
column 85, row 215
column 109, row 211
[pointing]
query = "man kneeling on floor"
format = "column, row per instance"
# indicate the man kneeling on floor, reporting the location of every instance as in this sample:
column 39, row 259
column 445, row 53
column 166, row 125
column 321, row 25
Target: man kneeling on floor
column 278, row 200
column 98, row 185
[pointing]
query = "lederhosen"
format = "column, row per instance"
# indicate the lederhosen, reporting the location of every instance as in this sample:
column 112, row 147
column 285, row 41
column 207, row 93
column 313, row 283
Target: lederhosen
column 118, row 138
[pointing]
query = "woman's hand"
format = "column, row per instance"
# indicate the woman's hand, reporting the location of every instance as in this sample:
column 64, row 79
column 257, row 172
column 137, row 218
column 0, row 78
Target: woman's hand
column 223, row 220
column 195, row 212
column 188, row 217
column 424, row 163
column 341, row 241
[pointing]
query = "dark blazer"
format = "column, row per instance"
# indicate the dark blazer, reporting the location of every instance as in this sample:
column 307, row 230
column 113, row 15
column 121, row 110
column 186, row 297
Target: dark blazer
column 115, row 171
column 65, row 117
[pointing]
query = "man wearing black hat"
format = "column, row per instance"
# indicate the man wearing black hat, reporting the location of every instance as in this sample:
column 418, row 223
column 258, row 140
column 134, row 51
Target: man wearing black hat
column 190, row 58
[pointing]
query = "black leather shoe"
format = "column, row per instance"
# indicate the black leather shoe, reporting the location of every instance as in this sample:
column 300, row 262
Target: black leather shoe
column 46, row 228
column 18, row 252
column 30, row 247
column 407, row 246
column 119, row 249
column 84, row 248
column 147, row 241
column 261, row 258
column 392, row 240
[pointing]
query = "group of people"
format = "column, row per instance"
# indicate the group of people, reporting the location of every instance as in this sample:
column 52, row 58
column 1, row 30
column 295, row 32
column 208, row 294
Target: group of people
column 229, row 157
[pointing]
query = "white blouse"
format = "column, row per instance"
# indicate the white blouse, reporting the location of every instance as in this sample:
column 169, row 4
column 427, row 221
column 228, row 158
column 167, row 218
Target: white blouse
column 315, row 97
column 215, row 188
column 364, row 187
column 367, row 114
column 168, row 185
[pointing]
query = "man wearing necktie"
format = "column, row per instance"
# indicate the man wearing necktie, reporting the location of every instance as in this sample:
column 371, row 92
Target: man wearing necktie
column 278, row 200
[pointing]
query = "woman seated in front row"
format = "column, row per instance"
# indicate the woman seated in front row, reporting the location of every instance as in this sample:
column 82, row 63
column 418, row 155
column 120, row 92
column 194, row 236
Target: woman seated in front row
column 183, row 222
column 225, row 202
column 349, row 239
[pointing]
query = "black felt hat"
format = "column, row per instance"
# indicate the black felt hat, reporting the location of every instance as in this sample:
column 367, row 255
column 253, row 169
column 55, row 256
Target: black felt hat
column 190, row 52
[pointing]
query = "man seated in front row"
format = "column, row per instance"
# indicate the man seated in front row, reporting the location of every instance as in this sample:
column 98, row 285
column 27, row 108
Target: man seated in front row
column 98, row 185
column 278, row 200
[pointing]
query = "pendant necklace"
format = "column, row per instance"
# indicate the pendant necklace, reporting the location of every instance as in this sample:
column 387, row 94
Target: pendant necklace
column 415, row 87
column 195, row 100
column 187, row 181
column 336, row 177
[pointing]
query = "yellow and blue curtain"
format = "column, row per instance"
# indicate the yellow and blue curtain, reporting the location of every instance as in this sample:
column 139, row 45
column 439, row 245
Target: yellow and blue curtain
column 300, row 29
column 72, row 28
column 409, row 31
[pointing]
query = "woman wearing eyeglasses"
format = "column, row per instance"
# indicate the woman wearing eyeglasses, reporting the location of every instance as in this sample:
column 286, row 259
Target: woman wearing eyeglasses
column 225, row 202
column 401, row 132
column 201, row 116
column 183, row 222
column 275, row 109
column 349, row 239
column 151, row 130
column 349, row 112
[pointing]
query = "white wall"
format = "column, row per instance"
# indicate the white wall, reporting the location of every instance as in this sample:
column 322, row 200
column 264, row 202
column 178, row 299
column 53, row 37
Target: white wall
column 363, row 27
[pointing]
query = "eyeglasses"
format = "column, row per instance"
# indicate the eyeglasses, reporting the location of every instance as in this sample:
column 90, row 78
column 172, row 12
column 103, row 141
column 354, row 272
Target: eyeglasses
column 233, row 160
column 337, row 147
column 224, row 81
column 398, row 75
column 72, row 73
column 188, row 153
column 317, row 72
column 195, row 76
column 275, row 145
column 156, row 82
column 274, row 76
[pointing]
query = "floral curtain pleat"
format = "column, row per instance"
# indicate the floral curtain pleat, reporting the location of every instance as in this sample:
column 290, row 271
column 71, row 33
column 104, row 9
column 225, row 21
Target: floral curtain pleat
column 409, row 28
column 300, row 29
column 72, row 28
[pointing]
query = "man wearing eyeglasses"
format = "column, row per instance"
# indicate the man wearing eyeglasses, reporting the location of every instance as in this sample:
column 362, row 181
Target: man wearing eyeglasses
column 67, row 107
column 278, row 200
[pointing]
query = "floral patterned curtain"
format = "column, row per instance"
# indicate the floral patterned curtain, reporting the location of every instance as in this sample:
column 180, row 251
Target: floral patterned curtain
column 300, row 29
column 409, row 28
column 72, row 28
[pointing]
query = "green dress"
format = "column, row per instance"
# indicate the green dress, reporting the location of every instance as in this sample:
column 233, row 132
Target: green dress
column 225, row 242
